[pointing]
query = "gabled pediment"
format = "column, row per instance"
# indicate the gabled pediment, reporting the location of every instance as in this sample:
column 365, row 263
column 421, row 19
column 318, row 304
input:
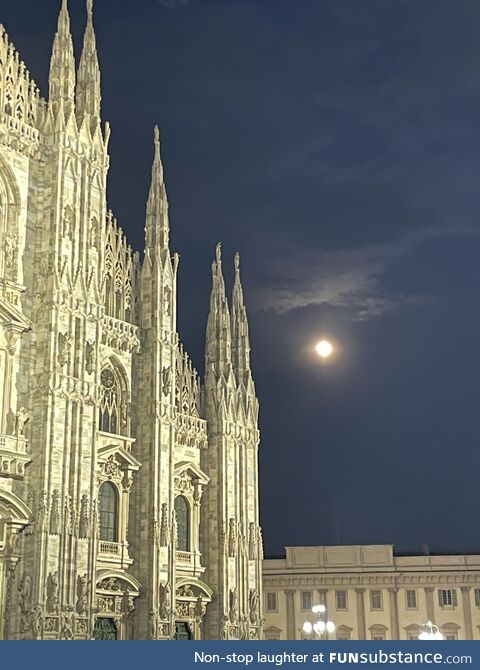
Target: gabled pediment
column 192, row 470
column 11, row 317
column 120, row 454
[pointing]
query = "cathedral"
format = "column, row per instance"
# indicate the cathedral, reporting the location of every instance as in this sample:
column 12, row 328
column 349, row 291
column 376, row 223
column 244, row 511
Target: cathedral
column 128, row 485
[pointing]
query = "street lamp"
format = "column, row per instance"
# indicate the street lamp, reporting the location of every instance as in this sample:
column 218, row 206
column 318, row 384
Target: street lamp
column 430, row 632
column 321, row 625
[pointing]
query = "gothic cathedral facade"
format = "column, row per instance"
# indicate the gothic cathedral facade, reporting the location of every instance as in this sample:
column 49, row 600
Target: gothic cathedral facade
column 128, row 486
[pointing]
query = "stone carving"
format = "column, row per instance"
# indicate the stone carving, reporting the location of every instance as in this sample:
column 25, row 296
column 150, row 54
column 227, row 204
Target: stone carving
column 25, row 602
column 67, row 524
column 43, row 512
column 200, row 609
column 67, row 222
column 253, row 606
column 55, row 513
column 92, row 233
column 67, row 625
column 82, row 594
column 224, row 624
column 164, row 526
column 52, row 593
column 90, row 357
column 252, row 542
column 233, row 605
column 83, row 522
column 186, row 591
column 37, row 621
column 111, row 468
column 164, row 598
column 11, row 250
column 110, row 584
column 232, row 538
column 167, row 300
column 166, row 381
column 64, row 346
column 22, row 417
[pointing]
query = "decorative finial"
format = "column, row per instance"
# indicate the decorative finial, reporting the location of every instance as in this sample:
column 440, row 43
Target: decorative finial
column 237, row 263
column 89, row 8
column 156, row 135
column 219, row 253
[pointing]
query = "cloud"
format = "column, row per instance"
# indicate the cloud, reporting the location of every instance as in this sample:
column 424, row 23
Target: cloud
column 351, row 280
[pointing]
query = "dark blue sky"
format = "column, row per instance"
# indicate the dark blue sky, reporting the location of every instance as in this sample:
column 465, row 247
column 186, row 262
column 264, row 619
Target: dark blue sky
column 336, row 145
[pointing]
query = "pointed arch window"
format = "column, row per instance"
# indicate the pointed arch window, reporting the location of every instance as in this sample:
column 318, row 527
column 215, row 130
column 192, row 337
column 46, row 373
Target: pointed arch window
column 182, row 514
column 108, row 512
column 113, row 415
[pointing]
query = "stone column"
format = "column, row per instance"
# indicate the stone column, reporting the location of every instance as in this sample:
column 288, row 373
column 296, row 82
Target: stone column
column 361, row 614
column 394, row 627
column 290, row 596
column 467, row 612
column 429, row 596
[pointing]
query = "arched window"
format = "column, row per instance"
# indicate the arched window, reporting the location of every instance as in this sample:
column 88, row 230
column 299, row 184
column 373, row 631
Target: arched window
column 113, row 415
column 182, row 514
column 108, row 511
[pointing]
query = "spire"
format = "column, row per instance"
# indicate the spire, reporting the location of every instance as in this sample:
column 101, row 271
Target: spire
column 88, row 82
column 157, row 226
column 218, row 355
column 62, row 65
column 240, row 337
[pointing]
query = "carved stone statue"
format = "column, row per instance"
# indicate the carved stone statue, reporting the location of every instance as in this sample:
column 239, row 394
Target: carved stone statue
column 24, row 601
column 164, row 526
column 67, row 626
column 253, row 606
column 52, row 593
column 232, row 538
column 166, row 381
column 83, row 522
column 11, row 246
column 164, row 601
column 252, row 542
column 22, row 417
column 64, row 346
column 89, row 357
column 37, row 621
column 55, row 514
column 233, row 598
column 82, row 594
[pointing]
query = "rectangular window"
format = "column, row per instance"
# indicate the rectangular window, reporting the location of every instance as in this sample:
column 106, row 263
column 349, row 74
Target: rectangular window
column 341, row 600
column 376, row 600
column 272, row 602
column 378, row 636
column 447, row 597
column 451, row 636
column 343, row 634
column 477, row 597
column 306, row 600
column 411, row 599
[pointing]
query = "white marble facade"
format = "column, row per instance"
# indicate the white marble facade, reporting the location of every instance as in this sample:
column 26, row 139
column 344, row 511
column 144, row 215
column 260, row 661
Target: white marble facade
column 128, row 486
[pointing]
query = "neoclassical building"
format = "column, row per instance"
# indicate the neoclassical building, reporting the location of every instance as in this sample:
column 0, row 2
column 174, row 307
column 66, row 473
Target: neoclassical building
column 371, row 594
column 128, row 486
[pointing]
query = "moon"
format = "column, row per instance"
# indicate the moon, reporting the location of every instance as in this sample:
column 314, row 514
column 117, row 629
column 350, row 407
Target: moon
column 324, row 349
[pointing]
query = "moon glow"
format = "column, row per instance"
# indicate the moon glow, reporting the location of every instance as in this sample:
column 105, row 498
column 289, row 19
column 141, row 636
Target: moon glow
column 324, row 349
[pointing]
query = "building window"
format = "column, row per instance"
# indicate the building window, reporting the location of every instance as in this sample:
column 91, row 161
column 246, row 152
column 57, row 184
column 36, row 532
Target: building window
column 306, row 600
column 376, row 600
column 451, row 636
column 341, row 600
column 182, row 514
column 108, row 510
column 272, row 633
column 477, row 597
column 378, row 632
column 113, row 403
column 411, row 596
column 105, row 629
column 378, row 636
column 447, row 597
column 343, row 633
column 272, row 602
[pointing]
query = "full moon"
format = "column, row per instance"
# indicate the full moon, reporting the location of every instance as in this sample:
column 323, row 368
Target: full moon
column 324, row 349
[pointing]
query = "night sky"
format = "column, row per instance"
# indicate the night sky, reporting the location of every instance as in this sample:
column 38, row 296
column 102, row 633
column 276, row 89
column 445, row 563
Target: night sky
column 336, row 145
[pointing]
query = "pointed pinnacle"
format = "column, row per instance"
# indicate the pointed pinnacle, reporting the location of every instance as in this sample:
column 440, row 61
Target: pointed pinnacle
column 237, row 264
column 218, row 253
column 89, row 9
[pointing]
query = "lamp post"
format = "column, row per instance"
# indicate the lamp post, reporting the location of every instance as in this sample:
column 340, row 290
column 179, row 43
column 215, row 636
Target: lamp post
column 430, row 631
column 321, row 626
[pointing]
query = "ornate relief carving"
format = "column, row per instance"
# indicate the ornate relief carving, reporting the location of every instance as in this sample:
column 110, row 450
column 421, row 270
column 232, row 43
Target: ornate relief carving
column 37, row 621
column 166, row 381
column 11, row 250
column 110, row 584
column 22, row 417
column 67, row 625
column 110, row 468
